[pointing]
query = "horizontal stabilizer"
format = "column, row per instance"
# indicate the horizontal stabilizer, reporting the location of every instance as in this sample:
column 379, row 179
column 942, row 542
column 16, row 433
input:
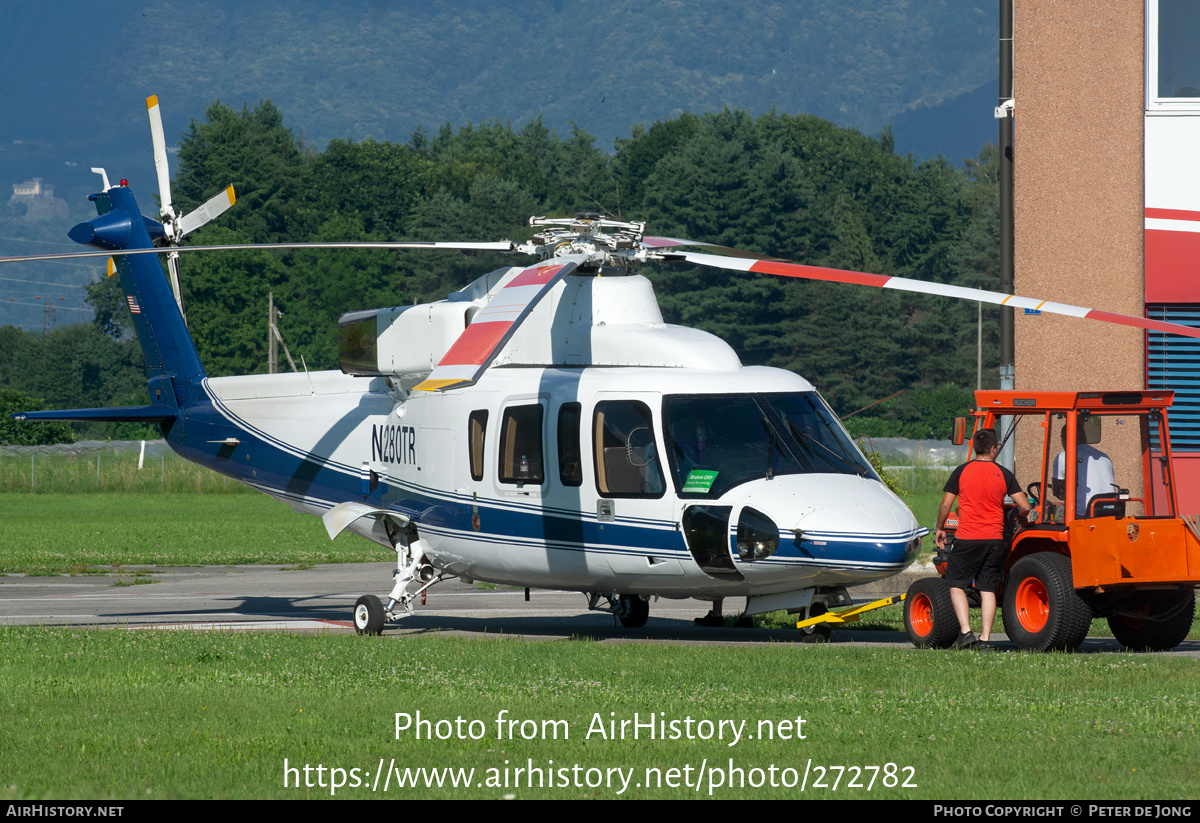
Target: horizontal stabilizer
column 120, row 414
column 343, row 514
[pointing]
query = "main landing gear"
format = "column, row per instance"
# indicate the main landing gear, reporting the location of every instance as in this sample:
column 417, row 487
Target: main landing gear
column 632, row 610
column 370, row 614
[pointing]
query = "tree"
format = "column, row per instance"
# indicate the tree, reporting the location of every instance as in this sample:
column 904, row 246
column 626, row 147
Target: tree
column 23, row 433
column 226, row 296
column 252, row 151
column 379, row 184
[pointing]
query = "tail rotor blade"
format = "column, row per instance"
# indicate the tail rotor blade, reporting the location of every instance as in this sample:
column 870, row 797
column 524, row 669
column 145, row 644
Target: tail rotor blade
column 160, row 154
column 212, row 208
column 176, row 286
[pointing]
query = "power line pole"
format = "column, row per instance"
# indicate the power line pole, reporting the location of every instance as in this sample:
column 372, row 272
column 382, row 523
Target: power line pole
column 275, row 339
column 272, row 345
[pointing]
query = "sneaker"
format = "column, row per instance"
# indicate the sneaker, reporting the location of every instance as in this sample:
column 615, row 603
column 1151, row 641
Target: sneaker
column 967, row 641
column 987, row 646
column 744, row 622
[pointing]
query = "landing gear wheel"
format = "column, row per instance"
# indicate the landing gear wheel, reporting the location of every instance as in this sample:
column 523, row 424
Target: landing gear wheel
column 1042, row 611
column 368, row 615
column 1154, row 621
column 821, row 632
column 633, row 611
column 929, row 617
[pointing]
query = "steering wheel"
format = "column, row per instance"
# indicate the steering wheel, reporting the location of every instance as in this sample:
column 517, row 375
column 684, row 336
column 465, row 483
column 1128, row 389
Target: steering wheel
column 1034, row 490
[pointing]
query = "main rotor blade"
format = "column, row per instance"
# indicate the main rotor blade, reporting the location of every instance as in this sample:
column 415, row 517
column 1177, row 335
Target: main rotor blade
column 160, row 153
column 494, row 325
column 212, row 208
column 922, row 287
column 502, row 246
column 669, row 242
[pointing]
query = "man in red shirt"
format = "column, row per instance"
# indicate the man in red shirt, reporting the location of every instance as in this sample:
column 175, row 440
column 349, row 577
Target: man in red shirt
column 978, row 554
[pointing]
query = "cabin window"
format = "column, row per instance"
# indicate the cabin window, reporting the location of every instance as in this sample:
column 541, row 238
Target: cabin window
column 627, row 463
column 521, row 446
column 476, row 430
column 570, row 455
column 716, row 442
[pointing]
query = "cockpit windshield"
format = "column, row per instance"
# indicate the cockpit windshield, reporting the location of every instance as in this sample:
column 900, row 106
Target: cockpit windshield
column 716, row 442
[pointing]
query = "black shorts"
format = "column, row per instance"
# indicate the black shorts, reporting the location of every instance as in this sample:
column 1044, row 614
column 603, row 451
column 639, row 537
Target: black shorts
column 979, row 560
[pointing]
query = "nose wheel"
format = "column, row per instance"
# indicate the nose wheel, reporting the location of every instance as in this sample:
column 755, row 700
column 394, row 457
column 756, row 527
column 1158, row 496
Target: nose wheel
column 368, row 615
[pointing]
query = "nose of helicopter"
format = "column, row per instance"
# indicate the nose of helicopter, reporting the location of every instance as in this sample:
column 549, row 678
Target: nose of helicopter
column 844, row 520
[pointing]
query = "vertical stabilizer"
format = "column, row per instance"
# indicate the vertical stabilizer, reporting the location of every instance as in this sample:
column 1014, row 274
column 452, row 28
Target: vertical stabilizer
column 170, row 354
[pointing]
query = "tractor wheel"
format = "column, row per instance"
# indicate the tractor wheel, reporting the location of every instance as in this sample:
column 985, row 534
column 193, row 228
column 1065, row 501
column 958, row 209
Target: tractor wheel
column 368, row 615
column 929, row 614
column 634, row 611
column 1042, row 610
column 1154, row 621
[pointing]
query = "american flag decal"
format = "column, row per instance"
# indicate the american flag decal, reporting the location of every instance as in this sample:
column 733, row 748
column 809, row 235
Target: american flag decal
column 133, row 304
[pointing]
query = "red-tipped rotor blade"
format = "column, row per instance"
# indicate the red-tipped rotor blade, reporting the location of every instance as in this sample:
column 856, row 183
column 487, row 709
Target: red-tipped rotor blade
column 921, row 287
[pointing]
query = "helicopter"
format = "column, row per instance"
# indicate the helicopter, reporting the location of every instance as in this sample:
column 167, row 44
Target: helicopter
column 542, row 427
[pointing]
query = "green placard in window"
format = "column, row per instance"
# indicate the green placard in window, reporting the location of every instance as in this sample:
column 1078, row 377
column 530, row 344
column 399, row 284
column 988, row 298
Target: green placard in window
column 699, row 481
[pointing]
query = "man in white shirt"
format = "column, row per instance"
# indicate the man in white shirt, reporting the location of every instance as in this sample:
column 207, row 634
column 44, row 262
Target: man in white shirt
column 1093, row 471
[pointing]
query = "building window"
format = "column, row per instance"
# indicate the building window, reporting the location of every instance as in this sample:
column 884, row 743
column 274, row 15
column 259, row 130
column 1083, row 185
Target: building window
column 1172, row 55
column 1173, row 362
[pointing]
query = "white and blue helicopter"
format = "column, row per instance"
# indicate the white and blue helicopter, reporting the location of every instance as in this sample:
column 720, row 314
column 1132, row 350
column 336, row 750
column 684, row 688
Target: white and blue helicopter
column 541, row 428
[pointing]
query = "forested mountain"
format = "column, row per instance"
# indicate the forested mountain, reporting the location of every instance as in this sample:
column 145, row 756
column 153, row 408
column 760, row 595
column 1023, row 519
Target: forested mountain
column 76, row 73
column 791, row 186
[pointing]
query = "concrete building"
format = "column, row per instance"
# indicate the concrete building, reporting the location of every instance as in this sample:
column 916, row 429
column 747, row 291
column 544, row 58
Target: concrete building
column 32, row 190
column 1107, row 206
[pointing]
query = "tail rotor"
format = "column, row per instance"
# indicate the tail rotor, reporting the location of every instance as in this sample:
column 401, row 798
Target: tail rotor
column 175, row 228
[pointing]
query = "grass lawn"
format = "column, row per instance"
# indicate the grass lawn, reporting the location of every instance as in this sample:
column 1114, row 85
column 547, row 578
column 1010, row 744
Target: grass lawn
column 126, row 714
column 72, row 533
column 137, row 714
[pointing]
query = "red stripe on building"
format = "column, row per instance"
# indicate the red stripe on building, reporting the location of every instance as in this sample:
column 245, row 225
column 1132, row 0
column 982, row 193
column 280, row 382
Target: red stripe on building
column 475, row 343
column 857, row 278
column 1172, row 214
column 534, row 277
column 1172, row 266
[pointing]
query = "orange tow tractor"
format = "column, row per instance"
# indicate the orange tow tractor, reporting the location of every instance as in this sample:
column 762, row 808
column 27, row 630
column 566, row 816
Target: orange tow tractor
column 1105, row 537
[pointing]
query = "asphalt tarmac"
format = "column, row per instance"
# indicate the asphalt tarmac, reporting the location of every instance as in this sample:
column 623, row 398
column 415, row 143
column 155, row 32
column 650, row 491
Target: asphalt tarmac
column 322, row 599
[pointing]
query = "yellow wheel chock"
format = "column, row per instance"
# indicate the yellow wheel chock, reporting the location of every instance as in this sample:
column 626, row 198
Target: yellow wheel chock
column 850, row 615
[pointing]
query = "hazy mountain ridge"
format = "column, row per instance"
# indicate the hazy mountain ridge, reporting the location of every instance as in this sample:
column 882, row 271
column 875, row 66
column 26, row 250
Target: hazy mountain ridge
column 77, row 77
column 345, row 70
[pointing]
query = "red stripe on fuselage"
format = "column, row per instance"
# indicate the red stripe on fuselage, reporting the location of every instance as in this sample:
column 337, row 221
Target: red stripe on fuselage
column 534, row 277
column 475, row 343
column 857, row 278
